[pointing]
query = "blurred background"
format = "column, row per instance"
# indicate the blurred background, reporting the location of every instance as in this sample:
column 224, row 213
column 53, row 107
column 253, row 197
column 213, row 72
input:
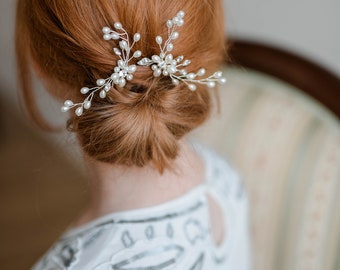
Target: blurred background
column 43, row 184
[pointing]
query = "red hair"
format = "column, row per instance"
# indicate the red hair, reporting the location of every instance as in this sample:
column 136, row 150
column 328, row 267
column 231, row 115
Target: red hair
column 142, row 122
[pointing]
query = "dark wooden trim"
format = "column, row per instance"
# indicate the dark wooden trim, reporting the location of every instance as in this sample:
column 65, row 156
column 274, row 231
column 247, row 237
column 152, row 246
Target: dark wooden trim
column 314, row 80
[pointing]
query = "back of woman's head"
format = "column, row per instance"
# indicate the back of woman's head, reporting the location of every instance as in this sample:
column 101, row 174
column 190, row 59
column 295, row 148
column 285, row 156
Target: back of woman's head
column 142, row 122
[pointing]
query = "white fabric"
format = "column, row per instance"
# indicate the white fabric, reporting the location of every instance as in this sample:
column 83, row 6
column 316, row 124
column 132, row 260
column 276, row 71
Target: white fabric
column 172, row 235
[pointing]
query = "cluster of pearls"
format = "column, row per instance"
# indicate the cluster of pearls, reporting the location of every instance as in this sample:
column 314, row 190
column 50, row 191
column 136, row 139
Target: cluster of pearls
column 165, row 64
column 122, row 72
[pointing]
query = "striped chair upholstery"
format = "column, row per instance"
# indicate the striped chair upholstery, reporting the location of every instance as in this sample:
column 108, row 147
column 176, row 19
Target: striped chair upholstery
column 286, row 146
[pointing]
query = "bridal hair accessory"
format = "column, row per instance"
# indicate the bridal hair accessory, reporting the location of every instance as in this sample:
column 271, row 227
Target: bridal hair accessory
column 122, row 72
column 165, row 64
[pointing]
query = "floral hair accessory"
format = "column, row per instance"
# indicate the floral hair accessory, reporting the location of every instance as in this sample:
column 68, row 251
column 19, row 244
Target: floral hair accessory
column 165, row 64
column 122, row 72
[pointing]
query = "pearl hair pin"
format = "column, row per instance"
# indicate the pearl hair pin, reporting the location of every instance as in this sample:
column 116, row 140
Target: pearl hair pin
column 122, row 72
column 165, row 64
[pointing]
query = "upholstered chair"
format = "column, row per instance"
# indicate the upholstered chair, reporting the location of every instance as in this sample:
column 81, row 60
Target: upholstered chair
column 279, row 126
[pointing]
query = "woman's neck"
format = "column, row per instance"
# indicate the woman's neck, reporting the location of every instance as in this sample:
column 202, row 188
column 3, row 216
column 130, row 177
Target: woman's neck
column 116, row 188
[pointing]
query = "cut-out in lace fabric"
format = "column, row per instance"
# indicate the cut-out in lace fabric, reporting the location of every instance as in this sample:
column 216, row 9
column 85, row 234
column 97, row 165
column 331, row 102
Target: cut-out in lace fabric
column 173, row 235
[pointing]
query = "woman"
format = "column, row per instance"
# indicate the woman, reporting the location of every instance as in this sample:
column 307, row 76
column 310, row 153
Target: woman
column 157, row 201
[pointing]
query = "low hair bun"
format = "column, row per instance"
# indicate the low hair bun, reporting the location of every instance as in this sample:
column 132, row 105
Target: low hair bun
column 140, row 126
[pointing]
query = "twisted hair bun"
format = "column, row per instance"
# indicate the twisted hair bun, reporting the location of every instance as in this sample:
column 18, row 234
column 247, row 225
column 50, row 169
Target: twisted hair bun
column 142, row 122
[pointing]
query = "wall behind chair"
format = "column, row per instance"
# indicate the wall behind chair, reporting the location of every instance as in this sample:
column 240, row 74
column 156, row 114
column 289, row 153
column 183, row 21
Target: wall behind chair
column 310, row 28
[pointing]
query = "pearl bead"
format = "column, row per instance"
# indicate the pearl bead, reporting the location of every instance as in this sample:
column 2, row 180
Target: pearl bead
column 218, row 74
column 117, row 51
column 115, row 36
column 107, row 36
column 159, row 40
column 132, row 68
column 201, row 72
column 169, row 23
column 136, row 37
column 137, row 54
column 116, row 69
column 102, row 94
column 156, row 58
column 181, row 14
column 211, row 84
column 222, row 80
column 180, row 22
column 169, row 47
column 79, row 111
column 175, row 81
column 121, row 64
column 106, row 30
column 175, row 20
column 129, row 77
column 84, row 90
column 171, row 69
column 121, row 82
column 118, row 25
column 192, row 87
column 114, row 76
column 174, row 35
column 123, row 44
column 68, row 103
column 64, row 109
column 191, row 76
column 157, row 73
column 87, row 105
column 100, row 82
column 107, row 87
column 169, row 58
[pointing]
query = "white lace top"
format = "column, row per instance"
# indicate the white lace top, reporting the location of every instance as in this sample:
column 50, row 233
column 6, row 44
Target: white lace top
column 172, row 235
